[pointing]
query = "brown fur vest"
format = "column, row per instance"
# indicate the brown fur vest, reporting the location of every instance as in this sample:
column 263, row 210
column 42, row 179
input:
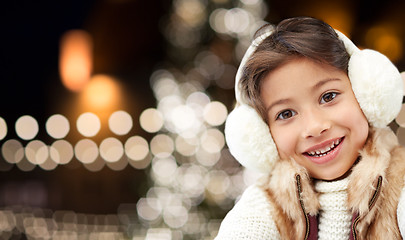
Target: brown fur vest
column 375, row 185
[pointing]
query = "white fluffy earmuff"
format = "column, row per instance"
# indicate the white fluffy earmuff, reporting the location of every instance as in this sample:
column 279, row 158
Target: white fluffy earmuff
column 376, row 83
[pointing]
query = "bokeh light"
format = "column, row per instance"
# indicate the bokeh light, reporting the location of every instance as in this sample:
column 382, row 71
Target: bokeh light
column 209, row 65
column 57, row 126
column 385, row 40
column 206, row 158
column 149, row 209
column 86, row 151
column 140, row 164
column 88, row 124
column 163, row 84
column 198, row 98
column 36, row 152
column 111, row 149
column 26, row 127
column 61, row 152
column 13, row 151
column 237, row 20
column 192, row 12
column 48, row 164
column 25, row 165
column 162, row 146
column 212, row 140
column 163, row 170
column 101, row 93
column 151, row 120
column 175, row 216
column 3, row 129
column 186, row 146
column 189, row 179
column 96, row 165
column 217, row 182
column 118, row 165
column 136, row 148
column 215, row 113
column 75, row 60
column 120, row 122
column 183, row 118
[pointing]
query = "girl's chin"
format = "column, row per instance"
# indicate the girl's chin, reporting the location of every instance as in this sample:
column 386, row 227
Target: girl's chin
column 334, row 177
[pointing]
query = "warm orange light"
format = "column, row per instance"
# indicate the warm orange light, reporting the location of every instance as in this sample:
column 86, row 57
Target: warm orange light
column 75, row 60
column 101, row 93
column 385, row 40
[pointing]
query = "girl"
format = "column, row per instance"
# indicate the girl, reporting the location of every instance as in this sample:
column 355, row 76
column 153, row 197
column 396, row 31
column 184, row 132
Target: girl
column 312, row 113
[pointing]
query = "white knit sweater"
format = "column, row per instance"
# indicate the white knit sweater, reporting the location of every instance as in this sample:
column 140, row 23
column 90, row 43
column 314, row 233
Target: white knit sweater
column 334, row 216
column 251, row 219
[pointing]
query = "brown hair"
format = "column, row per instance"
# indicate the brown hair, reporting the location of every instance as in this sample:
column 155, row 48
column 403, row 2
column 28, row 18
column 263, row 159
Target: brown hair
column 290, row 39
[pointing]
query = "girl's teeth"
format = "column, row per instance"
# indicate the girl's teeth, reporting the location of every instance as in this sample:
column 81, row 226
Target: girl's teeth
column 326, row 150
column 323, row 152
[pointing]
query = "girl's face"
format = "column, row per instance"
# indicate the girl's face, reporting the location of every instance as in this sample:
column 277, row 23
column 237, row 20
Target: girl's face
column 314, row 117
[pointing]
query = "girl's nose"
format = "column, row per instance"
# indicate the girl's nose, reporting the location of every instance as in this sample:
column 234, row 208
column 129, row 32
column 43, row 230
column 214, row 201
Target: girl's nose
column 315, row 124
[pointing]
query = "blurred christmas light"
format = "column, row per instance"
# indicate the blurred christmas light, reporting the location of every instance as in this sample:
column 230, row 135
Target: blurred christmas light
column 212, row 140
column 136, row 148
column 163, row 170
column 186, row 146
column 25, row 165
column 26, row 127
column 149, row 209
column 162, row 146
column 13, row 151
column 3, row 129
column 111, row 149
column 36, row 152
column 101, row 93
column 215, row 113
column 198, row 98
column 48, row 164
column 96, row 165
column 151, row 120
column 57, row 126
column 385, row 39
column 75, row 60
column 88, row 124
column 192, row 12
column 237, row 20
column 118, row 165
column 120, row 122
column 61, row 152
column 86, row 151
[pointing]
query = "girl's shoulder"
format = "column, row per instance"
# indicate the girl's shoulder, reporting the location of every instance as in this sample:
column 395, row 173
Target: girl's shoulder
column 250, row 215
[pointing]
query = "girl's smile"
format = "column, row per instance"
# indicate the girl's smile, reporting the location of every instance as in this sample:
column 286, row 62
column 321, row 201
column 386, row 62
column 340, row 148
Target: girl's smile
column 325, row 154
column 314, row 117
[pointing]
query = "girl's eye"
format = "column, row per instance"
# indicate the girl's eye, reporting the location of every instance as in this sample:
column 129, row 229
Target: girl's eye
column 327, row 97
column 286, row 114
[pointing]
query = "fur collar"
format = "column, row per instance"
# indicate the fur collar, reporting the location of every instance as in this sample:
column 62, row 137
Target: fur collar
column 374, row 161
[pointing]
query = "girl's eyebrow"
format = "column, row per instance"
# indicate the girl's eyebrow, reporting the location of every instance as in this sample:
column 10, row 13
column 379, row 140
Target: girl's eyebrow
column 278, row 102
column 323, row 82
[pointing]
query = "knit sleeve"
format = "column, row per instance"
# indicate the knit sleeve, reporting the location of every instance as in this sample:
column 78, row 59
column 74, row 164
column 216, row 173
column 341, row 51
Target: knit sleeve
column 250, row 218
column 401, row 213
